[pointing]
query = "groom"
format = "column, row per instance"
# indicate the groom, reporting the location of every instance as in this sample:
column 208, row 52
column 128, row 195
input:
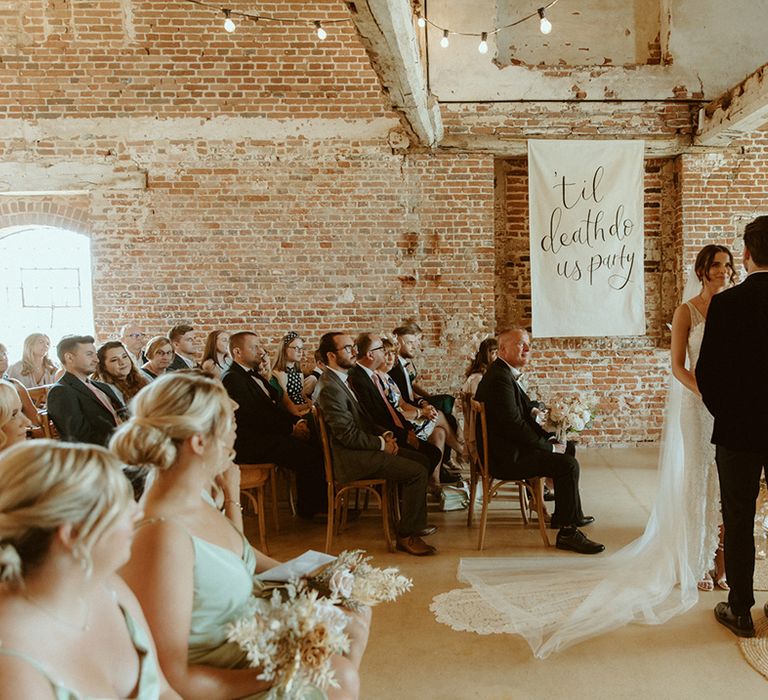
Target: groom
column 732, row 376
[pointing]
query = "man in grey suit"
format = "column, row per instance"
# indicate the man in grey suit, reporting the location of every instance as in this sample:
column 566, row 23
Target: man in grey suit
column 732, row 376
column 360, row 451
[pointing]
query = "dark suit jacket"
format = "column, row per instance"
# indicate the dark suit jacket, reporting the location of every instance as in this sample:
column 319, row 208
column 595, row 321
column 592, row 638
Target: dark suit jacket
column 732, row 370
column 511, row 429
column 262, row 425
column 375, row 405
column 354, row 440
column 398, row 374
column 178, row 363
column 78, row 415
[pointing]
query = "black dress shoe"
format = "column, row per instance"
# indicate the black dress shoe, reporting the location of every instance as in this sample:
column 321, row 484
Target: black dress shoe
column 448, row 477
column 585, row 520
column 548, row 495
column 740, row 625
column 576, row 541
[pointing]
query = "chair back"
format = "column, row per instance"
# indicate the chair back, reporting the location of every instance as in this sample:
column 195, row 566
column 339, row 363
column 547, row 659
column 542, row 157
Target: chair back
column 470, row 439
column 325, row 441
column 39, row 394
column 478, row 419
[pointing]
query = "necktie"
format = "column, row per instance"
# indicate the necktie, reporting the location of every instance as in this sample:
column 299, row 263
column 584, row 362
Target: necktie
column 392, row 412
column 103, row 399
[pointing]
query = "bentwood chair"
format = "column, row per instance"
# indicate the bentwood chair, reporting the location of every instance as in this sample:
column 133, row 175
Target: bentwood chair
column 253, row 482
column 339, row 492
column 531, row 490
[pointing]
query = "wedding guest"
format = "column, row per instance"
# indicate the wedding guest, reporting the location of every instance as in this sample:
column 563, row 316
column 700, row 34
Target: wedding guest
column 287, row 372
column 116, row 368
column 81, row 409
column 159, row 353
column 714, row 273
column 182, row 339
column 519, row 448
column 268, row 433
column 736, row 336
column 361, row 452
column 14, row 425
column 216, row 357
column 310, row 381
column 28, row 406
column 35, row 367
column 70, row 627
column 191, row 569
column 484, row 357
column 133, row 339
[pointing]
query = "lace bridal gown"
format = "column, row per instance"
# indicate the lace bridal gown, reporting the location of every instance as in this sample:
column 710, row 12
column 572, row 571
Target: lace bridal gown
column 554, row 602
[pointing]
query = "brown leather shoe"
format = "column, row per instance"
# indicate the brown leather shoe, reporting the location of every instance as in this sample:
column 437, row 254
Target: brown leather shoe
column 413, row 544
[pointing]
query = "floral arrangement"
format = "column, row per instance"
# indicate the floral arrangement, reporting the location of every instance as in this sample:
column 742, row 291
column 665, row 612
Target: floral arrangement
column 351, row 581
column 571, row 415
column 292, row 636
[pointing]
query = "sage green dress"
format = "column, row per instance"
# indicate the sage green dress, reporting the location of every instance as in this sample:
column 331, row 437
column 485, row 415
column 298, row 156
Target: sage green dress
column 149, row 679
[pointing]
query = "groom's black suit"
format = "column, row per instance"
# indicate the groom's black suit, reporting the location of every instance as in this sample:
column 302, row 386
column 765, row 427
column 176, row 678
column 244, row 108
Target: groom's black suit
column 732, row 376
column 519, row 447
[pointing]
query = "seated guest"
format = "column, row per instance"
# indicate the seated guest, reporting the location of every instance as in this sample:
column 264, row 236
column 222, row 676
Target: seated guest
column 310, row 381
column 28, row 406
column 82, row 410
column 14, row 425
column 266, row 432
column 191, row 568
column 159, row 353
column 35, row 367
column 132, row 337
column 182, row 339
column 371, row 394
column 519, row 448
column 484, row 358
column 287, row 372
column 361, row 451
column 116, row 368
column 70, row 626
column 216, row 354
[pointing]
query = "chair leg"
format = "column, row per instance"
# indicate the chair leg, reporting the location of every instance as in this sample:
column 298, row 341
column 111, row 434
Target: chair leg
column 541, row 510
column 472, row 489
column 262, row 520
column 273, row 492
column 385, row 517
column 484, row 514
column 524, row 504
column 331, row 519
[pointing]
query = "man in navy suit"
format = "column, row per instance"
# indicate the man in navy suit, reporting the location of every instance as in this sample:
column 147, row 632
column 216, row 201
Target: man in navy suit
column 732, row 376
column 266, row 432
column 81, row 409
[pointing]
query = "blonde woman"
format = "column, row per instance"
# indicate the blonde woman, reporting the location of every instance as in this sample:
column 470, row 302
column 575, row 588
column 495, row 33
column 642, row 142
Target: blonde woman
column 35, row 367
column 13, row 423
column 191, row 568
column 71, row 629
column 28, row 405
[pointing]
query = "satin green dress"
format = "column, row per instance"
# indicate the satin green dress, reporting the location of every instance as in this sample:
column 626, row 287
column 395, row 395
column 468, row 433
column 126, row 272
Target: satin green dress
column 149, row 678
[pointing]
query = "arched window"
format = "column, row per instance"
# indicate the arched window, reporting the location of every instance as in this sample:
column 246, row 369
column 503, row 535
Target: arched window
column 45, row 285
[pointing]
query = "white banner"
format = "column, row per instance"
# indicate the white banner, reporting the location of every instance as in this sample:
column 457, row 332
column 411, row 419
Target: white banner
column 586, row 237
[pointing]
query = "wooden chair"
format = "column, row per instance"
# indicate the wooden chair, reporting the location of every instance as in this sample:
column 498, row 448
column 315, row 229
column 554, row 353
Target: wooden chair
column 338, row 492
column 531, row 490
column 39, row 395
column 254, row 478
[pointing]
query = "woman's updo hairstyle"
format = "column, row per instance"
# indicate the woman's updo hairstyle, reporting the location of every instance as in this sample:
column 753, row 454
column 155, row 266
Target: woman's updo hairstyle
column 170, row 410
column 8, row 399
column 47, row 484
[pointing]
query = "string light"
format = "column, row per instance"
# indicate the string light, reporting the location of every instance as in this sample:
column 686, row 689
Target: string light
column 444, row 41
column 229, row 23
column 420, row 20
column 321, row 33
column 482, row 47
column 544, row 24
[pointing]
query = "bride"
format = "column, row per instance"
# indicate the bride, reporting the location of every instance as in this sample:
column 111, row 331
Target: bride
column 556, row 602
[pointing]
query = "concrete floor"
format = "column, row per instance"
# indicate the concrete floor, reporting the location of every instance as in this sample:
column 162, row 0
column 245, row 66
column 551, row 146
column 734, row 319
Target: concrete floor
column 412, row 656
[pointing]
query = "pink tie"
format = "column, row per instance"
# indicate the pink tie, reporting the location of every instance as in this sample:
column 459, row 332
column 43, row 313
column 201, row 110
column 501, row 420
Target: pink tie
column 103, row 399
column 380, row 386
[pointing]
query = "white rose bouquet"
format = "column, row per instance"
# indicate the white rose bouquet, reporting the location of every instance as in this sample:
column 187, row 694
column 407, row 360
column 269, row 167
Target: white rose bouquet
column 351, row 581
column 292, row 636
column 571, row 415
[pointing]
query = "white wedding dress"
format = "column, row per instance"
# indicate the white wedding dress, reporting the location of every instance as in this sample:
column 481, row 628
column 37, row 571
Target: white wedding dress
column 554, row 601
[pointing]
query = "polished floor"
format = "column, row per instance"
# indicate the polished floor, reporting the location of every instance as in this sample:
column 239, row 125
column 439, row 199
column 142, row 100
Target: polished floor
column 411, row 656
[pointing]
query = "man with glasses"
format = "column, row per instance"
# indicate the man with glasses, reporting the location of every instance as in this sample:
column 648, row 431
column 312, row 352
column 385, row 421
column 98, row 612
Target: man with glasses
column 361, row 451
column 133, row 338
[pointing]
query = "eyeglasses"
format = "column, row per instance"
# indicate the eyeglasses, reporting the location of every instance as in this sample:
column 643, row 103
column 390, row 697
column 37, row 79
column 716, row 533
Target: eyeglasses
column 136, row 335
column 297, row 348
column 378, row 347
column 348, row 348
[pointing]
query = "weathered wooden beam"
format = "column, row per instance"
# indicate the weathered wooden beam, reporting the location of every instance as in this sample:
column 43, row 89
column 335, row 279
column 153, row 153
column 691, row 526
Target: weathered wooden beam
column 69, row 176
column 387, row 32
column 737, row 112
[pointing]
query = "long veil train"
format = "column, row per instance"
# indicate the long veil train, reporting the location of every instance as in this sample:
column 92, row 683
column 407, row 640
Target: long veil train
column 555, row 602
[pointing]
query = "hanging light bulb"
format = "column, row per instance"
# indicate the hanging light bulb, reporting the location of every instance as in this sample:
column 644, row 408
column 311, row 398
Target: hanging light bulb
column 544, row 24
column 483, row 45
column 420, row 20
column 321, row 33
column 444, row 40
column 229, row 24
